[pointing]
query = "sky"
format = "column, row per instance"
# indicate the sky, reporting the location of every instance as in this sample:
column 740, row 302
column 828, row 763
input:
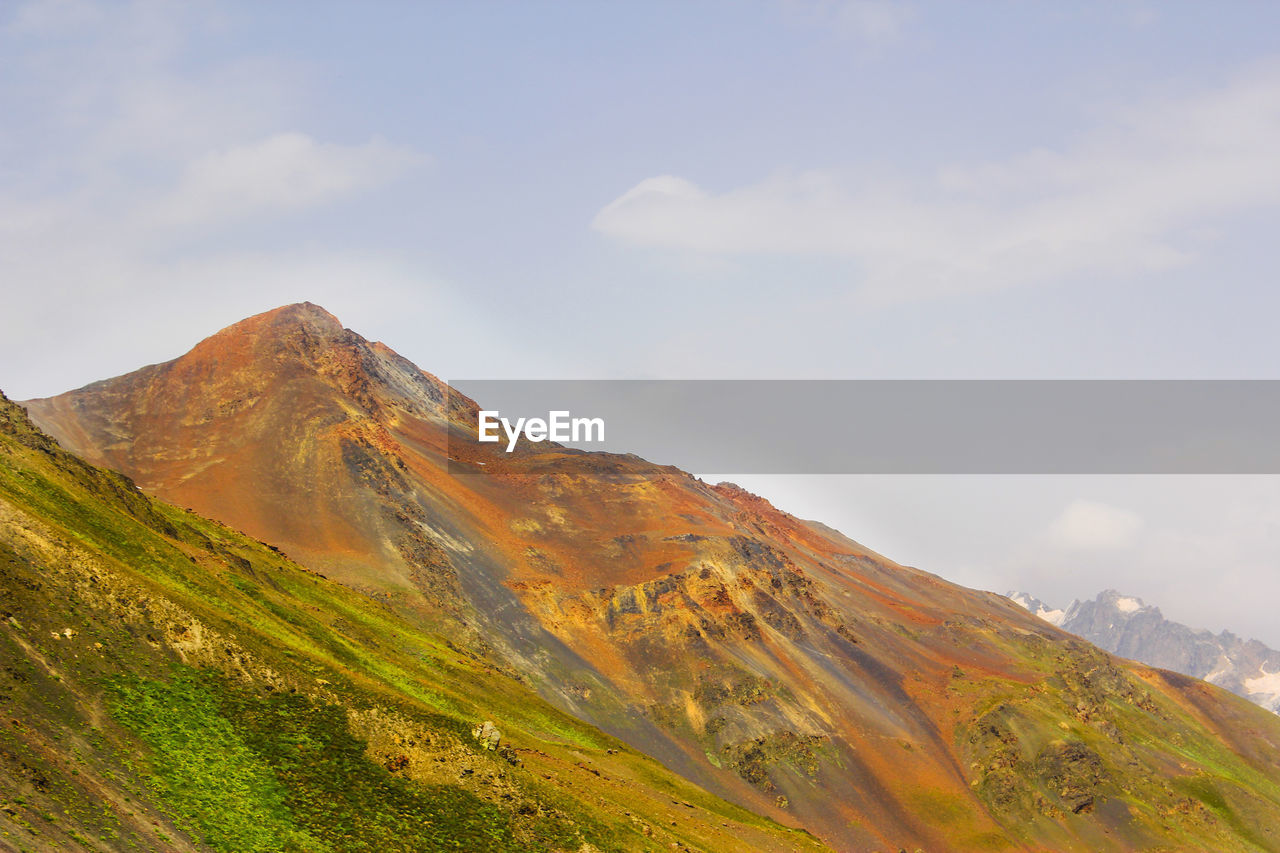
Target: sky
column 774, row 189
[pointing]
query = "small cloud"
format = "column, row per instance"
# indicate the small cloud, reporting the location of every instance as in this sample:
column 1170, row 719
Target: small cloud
column 659, row 189
column 282, row 172
column 1090, row 526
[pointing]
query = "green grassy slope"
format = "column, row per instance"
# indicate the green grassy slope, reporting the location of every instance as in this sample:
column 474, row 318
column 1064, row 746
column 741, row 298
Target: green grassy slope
column 167, row 683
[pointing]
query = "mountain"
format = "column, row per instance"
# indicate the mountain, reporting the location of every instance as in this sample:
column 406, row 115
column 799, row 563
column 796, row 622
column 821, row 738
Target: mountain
column 1126, row 626
column 171, row 684
column 772, row 662
column 1051, row 615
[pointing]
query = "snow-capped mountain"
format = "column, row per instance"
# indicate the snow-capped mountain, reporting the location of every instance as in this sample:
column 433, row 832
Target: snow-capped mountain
column 1039, row 608
column 1129, row 627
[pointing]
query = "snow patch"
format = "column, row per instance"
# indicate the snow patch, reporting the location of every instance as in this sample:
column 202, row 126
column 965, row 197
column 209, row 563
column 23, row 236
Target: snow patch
column 1128, row 605
column 1053, row 617
column 1268, row 684
column 1038, row 608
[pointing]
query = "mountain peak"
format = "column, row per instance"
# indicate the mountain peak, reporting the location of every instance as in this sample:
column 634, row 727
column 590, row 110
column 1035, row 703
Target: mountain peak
column 1052, row 615
column 306, row 315
column 302, row 333
column 1121, row 602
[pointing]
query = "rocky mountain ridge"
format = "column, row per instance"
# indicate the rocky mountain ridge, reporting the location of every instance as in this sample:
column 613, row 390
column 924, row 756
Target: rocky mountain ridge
column 1127, row 626
column 775, row 663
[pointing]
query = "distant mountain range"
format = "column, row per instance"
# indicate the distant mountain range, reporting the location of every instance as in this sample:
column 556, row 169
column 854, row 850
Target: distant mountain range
column 1127, row 626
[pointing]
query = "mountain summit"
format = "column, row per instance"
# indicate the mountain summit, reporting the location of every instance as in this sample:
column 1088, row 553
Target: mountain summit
column 769, row 660
column 257, row 425
column 1129, row 627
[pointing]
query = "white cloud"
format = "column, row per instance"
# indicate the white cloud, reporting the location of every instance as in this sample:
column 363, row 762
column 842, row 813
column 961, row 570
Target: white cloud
column 1090, row 526
column 132, row 149
column 1130, row 198
column 285, row 171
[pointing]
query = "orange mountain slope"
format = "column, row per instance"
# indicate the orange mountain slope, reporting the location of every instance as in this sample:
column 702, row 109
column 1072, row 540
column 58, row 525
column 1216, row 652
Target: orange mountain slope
column 771, row 661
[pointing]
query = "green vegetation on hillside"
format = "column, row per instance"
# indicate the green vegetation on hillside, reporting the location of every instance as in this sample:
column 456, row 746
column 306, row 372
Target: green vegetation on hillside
column 281, row 772
column 1072, row 755
column 169, row 684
